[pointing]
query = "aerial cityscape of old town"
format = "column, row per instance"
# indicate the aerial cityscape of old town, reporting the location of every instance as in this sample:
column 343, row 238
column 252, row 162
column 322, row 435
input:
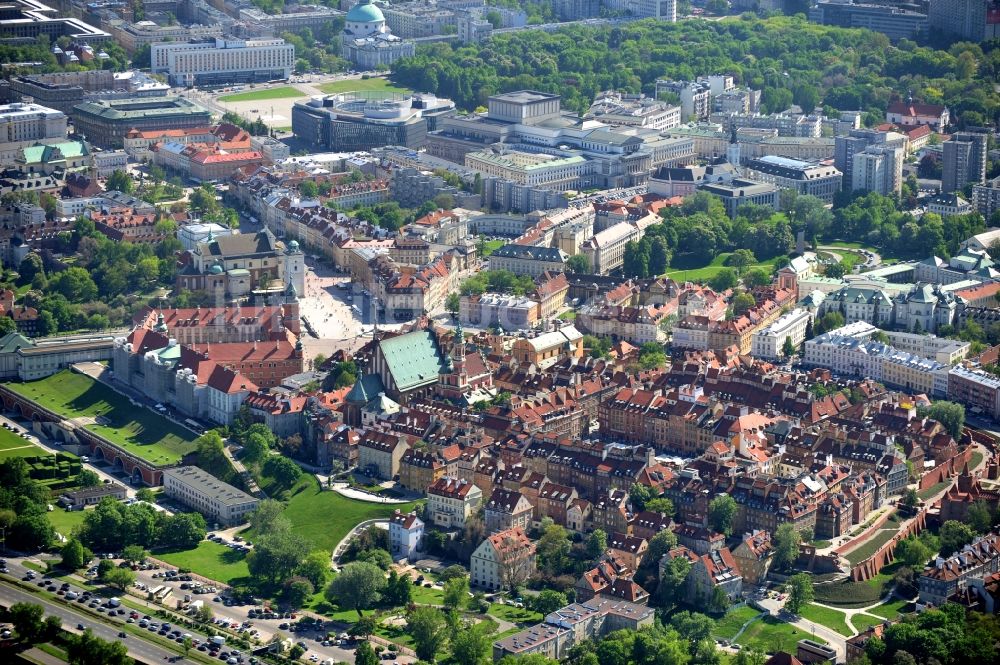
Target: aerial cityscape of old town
column 513, row 332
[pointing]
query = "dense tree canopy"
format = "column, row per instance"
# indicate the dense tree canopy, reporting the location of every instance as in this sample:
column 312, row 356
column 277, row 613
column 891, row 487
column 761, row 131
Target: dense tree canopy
column 789, row 59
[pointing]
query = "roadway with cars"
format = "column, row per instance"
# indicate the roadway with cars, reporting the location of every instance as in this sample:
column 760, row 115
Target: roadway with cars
column 223, row 609
column 137, row 648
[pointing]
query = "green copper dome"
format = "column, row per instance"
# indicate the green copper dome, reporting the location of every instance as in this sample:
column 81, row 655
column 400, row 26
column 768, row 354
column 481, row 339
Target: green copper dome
column 365, row 12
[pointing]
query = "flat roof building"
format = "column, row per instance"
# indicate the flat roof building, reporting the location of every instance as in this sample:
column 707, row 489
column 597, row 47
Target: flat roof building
column 813, row 178
column 22, row 124
column 27, row 20
column 106, row 123
column 741, row 191
column 362, row 121
column 223, row 61
column 216, row 500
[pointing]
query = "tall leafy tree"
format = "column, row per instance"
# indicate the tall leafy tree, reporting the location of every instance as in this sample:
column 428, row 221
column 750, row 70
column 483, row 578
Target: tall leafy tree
column 359, row 585
column 429, row 630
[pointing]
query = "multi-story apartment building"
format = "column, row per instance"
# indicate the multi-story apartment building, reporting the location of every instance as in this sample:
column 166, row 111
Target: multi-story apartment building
column 507, row 509
column 847, row 148
column 769, row 343
column 964, row 160
column 419, row 469
column 977, row 389
column 451, row 501
column 786, row 124
column 878, row 169
column 406, row 531
column 851, row 356
column 493, row 309
column 695, row 98
column 969, row 20
column 503, row 561
column 381, row 453
column 217, row 501
column 945, row 578
column 606, row 249
column 223, row 61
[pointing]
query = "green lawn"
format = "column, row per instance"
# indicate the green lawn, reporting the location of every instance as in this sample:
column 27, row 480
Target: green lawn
column 824, row 616
column 820, row 544
column 975, row 459
column 771, row 635
column 870, row 546
column 491, row 246
column 211, row 560
column 712, row 269
column 325, row 517
column 138, row 430
column 11, row 445
column 280, row 92
column 65, row 520
column 934, row 489
column 892, row 609
column 727, row 627
column 424, row 596
column 517, row 615
column 862, row 622
column 376, row 84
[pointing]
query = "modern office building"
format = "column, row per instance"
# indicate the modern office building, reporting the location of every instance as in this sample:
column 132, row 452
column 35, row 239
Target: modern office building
column 813, row 178
column 22, row 125
column 362, row 121
column 964, row 160
column 894, row 22
column 106, row 123
column 217, row 501
column 223, row 61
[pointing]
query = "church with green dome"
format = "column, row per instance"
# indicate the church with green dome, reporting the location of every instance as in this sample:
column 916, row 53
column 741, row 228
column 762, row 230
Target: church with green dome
column 368, row 42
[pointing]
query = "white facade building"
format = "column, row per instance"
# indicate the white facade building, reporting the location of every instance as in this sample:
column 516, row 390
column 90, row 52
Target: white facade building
column 406, row 531
column 23, row 124
column 769, row 342
column 223, row 61
column 450, row 502
column 216, row 500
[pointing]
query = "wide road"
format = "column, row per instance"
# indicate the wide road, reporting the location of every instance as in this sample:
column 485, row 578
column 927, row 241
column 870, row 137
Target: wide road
column 138, row 648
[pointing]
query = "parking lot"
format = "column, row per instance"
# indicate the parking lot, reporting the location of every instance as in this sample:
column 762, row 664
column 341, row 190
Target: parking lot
column 321, row 643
